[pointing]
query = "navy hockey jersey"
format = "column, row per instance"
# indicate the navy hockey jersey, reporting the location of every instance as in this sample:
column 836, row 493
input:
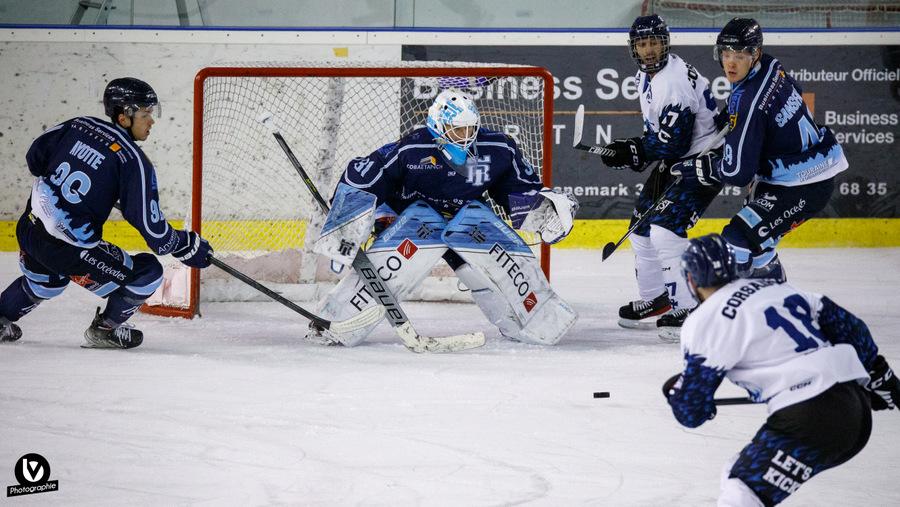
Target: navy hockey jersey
column 400, row 173
column 773, row 135
column 82, row 167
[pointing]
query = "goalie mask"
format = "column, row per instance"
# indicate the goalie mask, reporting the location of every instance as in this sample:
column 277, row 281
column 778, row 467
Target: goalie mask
column 453, row 120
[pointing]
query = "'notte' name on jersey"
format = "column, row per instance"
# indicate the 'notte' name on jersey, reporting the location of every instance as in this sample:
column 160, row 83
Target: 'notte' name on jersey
column 736, row 299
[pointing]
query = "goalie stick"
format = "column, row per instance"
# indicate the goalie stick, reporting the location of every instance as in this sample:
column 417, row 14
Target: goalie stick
column 369, row 273
column 358, row 321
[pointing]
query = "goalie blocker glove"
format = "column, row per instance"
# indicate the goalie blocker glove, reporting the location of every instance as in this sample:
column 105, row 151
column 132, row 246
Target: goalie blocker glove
column 883, row 386
column 193, row 251
column 629, row 153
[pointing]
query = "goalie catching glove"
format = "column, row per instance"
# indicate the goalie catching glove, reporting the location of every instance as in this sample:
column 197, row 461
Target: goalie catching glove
column 550, row 213
column 628, row 153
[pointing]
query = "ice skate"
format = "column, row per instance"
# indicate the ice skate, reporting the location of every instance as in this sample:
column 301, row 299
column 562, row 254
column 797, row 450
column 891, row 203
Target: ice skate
column 637, row 314
column 9, row 332
column 670, row 325
column 101, row 336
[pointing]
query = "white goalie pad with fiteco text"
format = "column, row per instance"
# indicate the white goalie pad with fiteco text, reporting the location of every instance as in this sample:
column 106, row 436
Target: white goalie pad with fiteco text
column 347, row 225
column 489, row 245
column 403, row 255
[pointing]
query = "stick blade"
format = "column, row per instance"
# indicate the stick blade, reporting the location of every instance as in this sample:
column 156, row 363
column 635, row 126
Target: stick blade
column 417, row 343
column 608, row 249
column 365, row 318
column 579, row 125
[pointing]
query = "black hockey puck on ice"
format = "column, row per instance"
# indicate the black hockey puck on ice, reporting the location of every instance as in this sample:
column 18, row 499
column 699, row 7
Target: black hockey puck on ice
column 601, row 394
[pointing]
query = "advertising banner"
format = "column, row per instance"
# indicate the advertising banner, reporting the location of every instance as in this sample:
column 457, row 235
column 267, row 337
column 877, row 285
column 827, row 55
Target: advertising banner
column 851, row 89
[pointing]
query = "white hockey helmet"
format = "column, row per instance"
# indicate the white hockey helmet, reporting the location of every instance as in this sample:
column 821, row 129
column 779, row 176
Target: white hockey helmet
column 453, row 120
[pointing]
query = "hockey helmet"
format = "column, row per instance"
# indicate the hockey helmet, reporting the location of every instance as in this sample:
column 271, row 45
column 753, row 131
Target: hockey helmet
column 708, row 261
column 453, row 120
column 739, row 34
column 127, row 95
column 649, row 27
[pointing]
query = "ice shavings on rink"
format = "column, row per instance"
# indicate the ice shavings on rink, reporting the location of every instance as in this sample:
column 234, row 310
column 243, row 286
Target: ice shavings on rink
column 236, row 409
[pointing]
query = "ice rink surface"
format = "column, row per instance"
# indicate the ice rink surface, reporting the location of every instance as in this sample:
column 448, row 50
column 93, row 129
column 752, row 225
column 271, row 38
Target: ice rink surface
column 236, row 409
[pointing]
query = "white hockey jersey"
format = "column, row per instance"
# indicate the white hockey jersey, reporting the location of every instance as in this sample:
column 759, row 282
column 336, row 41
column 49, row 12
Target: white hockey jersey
column 678, row 110
column 765, row 336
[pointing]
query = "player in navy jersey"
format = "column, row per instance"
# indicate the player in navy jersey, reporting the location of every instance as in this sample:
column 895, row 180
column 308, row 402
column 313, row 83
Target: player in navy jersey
column 679, row 112
column 82, row 168
column 811, row 361
column 428, row 192
column 774, row 144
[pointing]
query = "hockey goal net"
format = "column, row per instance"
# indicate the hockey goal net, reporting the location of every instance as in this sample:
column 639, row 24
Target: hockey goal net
column 250, row 202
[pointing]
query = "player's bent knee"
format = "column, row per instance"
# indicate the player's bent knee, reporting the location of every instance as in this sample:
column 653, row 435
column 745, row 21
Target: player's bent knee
column 41, row 291
column 147, row 275
column 666, row 242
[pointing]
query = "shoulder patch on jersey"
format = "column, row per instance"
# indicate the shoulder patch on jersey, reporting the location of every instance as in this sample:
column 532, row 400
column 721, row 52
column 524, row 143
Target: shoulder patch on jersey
column 387, row 148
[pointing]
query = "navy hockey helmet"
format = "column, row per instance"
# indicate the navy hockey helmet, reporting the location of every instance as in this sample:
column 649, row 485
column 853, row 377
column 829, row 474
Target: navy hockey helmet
column 127, row 95
column 654, row 28
column 709, row 262
column 739, row 34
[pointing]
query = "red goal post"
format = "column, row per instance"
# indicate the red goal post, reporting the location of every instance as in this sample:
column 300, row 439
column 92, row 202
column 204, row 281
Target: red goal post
column 251, row 205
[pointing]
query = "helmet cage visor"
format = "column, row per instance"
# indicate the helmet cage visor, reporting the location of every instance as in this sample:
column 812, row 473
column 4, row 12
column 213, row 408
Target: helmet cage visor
column 654, row 64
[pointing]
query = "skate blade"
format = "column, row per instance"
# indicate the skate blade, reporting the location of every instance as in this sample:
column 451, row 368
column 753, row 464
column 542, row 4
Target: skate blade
column 646, row 324
column 670, row 334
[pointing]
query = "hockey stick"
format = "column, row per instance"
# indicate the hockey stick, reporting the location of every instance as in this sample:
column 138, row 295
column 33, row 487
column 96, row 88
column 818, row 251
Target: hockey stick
column 734, row 401
column 661, row 203
column 369, row 273
column 578, row 145
column 354, row 323
column 358, row 321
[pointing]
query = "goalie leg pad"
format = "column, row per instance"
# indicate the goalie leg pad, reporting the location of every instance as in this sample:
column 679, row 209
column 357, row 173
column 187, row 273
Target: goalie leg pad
column 505, row 263
column 403, row 255
column 647, row 268
column 348, row 224
column 669, row 247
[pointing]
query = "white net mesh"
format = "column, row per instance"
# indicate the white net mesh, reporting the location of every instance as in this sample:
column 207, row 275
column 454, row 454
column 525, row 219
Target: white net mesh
column 813, row 14
column 256, row 211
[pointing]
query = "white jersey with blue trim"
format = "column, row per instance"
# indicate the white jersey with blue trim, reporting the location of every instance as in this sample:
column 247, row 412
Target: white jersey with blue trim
column 678, row 111
column 767, row 339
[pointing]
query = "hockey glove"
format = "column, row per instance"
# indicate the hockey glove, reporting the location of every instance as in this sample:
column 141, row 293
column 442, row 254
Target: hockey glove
column 703, row 171
column 883, row 386
column 629, row 153
column 193, row 251
column 722, row 119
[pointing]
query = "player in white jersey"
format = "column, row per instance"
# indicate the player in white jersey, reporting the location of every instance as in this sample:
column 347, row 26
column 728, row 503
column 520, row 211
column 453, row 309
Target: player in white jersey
column 811, row 361
column 679, row 113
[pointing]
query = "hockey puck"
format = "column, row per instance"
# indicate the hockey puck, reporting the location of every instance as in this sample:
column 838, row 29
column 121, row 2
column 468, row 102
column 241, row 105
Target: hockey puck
column 601, row 394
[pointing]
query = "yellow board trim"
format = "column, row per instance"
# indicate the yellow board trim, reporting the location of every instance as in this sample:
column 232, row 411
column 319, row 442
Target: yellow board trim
column 257, row 235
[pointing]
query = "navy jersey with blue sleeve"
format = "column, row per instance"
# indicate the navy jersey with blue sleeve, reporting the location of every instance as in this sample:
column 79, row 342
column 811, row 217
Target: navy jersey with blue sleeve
column 773, row 136
column 403, row 172
column 82, row 167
